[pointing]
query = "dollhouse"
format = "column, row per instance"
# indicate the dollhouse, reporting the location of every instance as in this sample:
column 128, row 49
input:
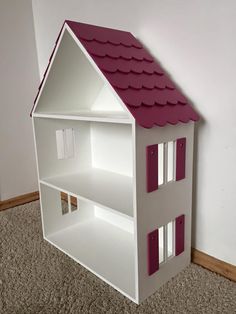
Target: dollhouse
column 115, row 135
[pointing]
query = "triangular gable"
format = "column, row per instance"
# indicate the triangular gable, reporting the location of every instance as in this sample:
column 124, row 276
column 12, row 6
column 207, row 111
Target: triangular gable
column 139, row 81
column 73, row 84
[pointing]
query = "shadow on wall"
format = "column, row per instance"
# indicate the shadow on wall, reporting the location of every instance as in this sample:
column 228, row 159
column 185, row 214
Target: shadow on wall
column 198, row 126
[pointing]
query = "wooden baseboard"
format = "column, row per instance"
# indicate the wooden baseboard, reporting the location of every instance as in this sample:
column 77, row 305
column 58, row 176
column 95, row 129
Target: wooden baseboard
column 27, row 198
column 198, row 257
column 19, row 200
column 73, row 199
column 213, row 264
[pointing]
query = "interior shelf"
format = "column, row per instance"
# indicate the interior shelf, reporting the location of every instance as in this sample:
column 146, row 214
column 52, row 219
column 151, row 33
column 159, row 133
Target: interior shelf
column 88, row 115
column 105, row 250
column 101, row 187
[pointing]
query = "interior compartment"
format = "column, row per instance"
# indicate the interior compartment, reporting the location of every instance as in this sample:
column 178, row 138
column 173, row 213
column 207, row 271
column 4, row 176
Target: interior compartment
column 95, row 162
column 75, row 87
column 90, row 161
column 102, row 243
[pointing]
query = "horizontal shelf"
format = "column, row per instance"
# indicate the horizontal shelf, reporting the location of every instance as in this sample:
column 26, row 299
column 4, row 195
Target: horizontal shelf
column 88, row 115
column 103, row 188
column 105, row 250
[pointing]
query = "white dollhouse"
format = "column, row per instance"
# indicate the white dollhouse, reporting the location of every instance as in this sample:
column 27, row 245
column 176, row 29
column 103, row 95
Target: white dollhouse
column 114, row 133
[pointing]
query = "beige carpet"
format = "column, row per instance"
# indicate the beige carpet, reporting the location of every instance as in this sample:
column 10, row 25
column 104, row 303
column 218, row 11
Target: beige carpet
column 37, row 278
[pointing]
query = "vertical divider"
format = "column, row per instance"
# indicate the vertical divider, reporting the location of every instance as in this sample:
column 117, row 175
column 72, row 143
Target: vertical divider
column 165, row 244
column 174, row 160
column 69, row 141
column 160, row 164
column 165, row 169
column 69, row 203
column 60, row 141
column 173, row 239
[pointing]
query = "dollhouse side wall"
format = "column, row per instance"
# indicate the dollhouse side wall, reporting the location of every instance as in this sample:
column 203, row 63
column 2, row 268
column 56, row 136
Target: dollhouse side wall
column 158, row 208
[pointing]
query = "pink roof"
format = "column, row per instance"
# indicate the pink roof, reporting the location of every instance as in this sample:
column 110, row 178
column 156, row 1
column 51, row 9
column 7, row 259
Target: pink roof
column 143, row 86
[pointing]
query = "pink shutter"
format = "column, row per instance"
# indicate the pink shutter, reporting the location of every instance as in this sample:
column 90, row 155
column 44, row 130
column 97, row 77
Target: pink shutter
column 179, row 234
column 180, row 158
column 152, row 167
column 153, row 252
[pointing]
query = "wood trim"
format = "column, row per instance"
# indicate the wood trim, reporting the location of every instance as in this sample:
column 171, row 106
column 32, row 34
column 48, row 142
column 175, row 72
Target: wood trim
column 73, row 199
column 27, row 198
column 19, row 200
column 213, row 264
column 64, row 196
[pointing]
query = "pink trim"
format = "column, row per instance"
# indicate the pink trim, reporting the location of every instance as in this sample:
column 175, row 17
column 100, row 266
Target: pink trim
column 180, row 158
column 152, row 167
column 153, row 252
column 179, row 234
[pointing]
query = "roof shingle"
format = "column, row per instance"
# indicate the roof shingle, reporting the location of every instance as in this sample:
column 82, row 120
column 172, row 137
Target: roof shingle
column 140, row 82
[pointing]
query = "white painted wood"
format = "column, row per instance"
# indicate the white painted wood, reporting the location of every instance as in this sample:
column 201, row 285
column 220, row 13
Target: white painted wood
column 112, row 148
column 95, row 164
column 121, row 221
column 87, row 115
column 165, row 162
column 60, row 144
column 170, row 239
column 158, row 208
column 49, row 164
column 104, row 249
column 161, row 244
column 106, row 101
column 135, row 214
column 101, row 187
column 67, row 86
column 39, row 185
column 69, row 139
column 96, row 244
column 100, row 145
column 165, row 243
column 66, row 89
column 161, row 172
column 117, row 201
column 101, row 75
column 69, row 203
column 170, row 161
column 53, row 219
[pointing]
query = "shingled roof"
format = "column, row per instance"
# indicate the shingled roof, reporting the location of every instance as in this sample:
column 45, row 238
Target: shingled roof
column 140, row 82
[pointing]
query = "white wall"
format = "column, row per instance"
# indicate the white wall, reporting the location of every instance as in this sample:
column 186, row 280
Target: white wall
column 18, row 84
column 195, row 42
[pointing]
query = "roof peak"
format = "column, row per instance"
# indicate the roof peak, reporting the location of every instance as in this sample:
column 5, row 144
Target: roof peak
column 70, row 22
column 142, row 85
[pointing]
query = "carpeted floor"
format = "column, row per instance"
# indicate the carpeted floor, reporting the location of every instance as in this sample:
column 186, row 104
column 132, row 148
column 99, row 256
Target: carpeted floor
column 35, row 278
